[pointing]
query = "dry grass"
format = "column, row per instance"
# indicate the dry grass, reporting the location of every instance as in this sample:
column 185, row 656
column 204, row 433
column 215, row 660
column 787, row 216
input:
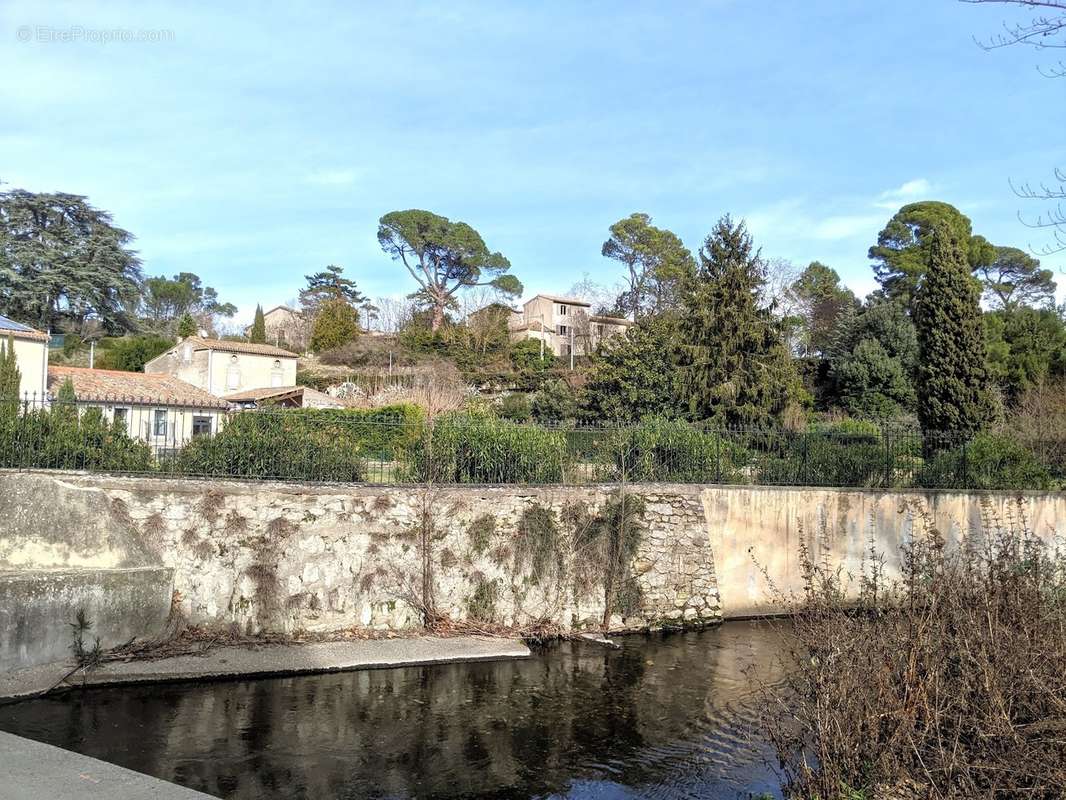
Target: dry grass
column 950, row 683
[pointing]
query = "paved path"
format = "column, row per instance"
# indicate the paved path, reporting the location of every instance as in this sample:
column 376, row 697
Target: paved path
column 278, row 659
column 34, row 771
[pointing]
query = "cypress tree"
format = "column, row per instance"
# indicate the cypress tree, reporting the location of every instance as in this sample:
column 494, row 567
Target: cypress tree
column 186, row 326
column 734, row 365
column 10, row 377
column 258, row 334
column 952, row 377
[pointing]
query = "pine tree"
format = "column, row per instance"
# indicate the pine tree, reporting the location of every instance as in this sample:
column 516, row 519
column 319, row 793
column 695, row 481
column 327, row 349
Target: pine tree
column 952, row 377
column 186, row 326
column 337, row 323
column 10, row 377
column 258, row 335
column 734, row 365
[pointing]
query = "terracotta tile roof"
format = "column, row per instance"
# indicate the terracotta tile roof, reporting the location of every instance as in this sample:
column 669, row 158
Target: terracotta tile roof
column 8, row 327
column 131, row 387
column 238, row 347
column 305, row 393
column 612, row 320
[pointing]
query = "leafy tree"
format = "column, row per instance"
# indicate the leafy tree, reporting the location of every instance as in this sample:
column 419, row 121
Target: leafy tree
column 443, row 257
column 258, row 333
column 952, row 376
column 819, row 299
column 1026, row 348
column 872, row 360
column 131, row 353
column 656, row 262
column 1014, row 278
column 61, row 259
column 530, row 363
column 901, row 255
column 554, row 402
column 635, row 375
column 335, row 324
column 328, row 285
column 872, row 383
column 734, row 365
column 168, row 299
column 10, row 376
column 186, row 326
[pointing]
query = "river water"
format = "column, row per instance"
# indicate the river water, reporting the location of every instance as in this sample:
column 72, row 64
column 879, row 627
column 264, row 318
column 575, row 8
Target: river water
column 665, row 716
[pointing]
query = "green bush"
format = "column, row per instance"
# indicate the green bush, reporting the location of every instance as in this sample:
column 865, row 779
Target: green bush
column 988, row 461
column 59, row 437
column 479, row 448
column 515, row 407
column 660, row 449
column 131, row 353
column 303, row 444
column 554, row 402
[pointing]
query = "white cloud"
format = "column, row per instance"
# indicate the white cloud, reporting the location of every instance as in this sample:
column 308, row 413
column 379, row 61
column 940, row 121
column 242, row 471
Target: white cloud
column 846, row 226
column 911, row 190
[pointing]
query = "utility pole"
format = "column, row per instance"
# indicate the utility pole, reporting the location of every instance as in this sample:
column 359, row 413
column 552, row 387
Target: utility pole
column 571, row 348
column 92, row 353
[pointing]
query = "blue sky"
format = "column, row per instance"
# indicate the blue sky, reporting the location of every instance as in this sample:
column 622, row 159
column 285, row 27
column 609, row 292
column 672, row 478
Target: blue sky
column 258, row 142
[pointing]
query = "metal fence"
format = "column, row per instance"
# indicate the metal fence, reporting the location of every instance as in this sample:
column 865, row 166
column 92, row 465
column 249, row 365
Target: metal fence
column 136, row 436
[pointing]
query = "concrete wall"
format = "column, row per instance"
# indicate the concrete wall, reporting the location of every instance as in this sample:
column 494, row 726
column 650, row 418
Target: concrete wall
column 274, row 556
column 755, row 532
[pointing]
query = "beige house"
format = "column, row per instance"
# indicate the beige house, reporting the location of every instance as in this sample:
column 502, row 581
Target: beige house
column 565, row 325
column 283, row 325
column 161, row 410
column 223, row 368
column 31, row 355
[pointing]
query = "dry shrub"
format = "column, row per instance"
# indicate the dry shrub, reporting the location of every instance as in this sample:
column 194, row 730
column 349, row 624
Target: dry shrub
column 949, row 683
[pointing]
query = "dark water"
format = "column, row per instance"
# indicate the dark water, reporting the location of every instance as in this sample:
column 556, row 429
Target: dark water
column 665, row 716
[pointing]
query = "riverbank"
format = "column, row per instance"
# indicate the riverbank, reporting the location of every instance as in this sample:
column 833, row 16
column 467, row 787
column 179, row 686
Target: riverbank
column 272, row 659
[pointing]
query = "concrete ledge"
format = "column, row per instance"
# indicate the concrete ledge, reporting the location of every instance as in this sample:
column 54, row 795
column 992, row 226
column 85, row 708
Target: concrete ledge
column 294, row 659
column 38, row 606
column 34, row 771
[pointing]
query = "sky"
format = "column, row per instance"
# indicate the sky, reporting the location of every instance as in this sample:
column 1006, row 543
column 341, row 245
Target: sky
column 254, row 143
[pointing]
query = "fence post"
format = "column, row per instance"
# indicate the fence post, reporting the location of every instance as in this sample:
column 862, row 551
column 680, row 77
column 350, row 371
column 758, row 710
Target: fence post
column 718, row 457
column 804, row 474
column 888, row 459
column 965, row 464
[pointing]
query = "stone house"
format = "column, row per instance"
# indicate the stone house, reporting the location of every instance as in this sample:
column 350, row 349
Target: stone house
column 159, row 409
column 31, row 355
column 223, row 368
column 566, row 325
column 283, row 325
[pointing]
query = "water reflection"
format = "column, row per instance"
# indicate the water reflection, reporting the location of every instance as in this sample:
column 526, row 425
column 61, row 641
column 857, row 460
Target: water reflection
column 665, row 716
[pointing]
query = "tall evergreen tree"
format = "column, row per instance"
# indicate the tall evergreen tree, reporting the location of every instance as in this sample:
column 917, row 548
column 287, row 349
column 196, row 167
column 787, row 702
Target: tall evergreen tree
column 952, row 376
column 10, row 377
column 186, row 325
column 259, row 333
column 734, row 365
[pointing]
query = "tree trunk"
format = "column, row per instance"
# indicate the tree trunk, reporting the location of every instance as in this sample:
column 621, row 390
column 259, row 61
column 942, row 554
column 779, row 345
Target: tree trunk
column 438, row 317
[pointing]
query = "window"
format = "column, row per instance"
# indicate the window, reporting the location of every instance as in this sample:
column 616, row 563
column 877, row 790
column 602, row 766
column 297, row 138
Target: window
column 233, row 374
column 201, row 426
column 562, row 330
column 122, row 416
column 159, row 422
column 563, row 310
column 276, row 375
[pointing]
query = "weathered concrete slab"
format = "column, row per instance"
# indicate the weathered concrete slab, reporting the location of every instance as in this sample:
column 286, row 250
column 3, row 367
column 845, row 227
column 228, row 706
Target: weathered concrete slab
column 34, row 771
column 281, row 659
column 37, row 608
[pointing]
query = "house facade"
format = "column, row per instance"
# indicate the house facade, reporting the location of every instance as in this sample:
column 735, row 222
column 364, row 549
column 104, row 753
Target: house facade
column 161, row 410
column 223, row 368
column 31, row 355
column 283, row 325
column 565, row 325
